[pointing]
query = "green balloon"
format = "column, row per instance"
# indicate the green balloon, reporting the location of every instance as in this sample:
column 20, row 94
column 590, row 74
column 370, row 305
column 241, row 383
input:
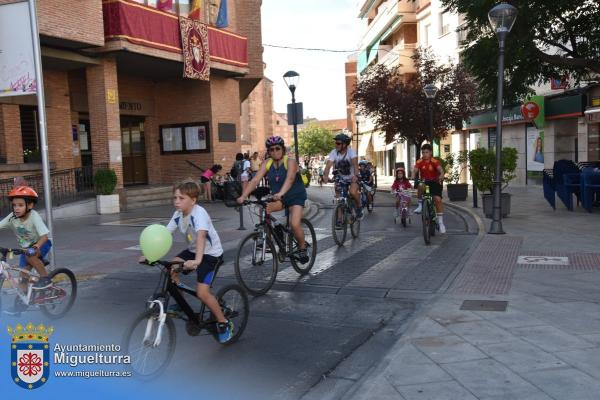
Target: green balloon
column 155, row 241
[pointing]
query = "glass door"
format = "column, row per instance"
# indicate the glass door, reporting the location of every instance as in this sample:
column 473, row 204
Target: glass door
column 133, row 149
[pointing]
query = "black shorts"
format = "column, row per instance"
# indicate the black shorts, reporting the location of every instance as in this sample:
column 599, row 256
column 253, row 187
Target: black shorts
column 435, row 188
column 204, row 179
column 206, row 270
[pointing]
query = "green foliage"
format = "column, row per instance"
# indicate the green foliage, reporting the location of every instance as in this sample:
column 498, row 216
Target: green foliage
column 453, row 165
column 550, row 39
column 314, row 140
column 105, row 181
column 482, row 166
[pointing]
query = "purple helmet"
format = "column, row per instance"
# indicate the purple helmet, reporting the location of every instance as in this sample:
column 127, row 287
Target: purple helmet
column 274, row 140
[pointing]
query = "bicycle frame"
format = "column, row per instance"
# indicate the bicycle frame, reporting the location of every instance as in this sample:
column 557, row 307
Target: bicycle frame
column 5, row 269
column 170, row 289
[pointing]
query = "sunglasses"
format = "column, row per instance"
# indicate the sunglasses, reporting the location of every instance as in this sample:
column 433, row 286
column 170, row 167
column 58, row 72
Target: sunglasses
column 338, row 143
column 275, row 148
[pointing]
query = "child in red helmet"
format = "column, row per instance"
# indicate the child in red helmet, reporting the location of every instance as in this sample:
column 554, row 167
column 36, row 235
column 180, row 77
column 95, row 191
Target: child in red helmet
column 401, row 184
column 31, row 232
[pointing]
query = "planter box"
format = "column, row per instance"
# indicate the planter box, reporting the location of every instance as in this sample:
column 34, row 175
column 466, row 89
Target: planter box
column 457, row 191
column 108, row 204
column 488, row 204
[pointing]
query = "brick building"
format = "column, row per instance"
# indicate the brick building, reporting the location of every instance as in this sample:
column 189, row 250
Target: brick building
column 257, row 115
column 115, row 93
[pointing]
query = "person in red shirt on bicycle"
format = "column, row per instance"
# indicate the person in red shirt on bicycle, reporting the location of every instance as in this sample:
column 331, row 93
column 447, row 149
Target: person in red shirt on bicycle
column 430, row 172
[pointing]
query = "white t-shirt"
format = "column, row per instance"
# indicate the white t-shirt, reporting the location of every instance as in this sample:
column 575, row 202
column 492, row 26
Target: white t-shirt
column 28, row 232
column 343, row 162
column 246, row 167
column 197, row 220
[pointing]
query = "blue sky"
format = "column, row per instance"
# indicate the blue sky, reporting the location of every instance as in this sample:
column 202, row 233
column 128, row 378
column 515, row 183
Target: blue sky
column 329, row 24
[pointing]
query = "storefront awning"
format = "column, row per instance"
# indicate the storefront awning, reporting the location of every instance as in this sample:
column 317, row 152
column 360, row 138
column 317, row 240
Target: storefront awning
column 365, row 138
column 378, row 141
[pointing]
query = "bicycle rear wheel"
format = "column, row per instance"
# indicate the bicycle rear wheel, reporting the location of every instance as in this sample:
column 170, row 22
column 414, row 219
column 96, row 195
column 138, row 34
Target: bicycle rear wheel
column 339, row 234
column 256, row 273
column 310, row 238
column 234, row 304
column 59, row 298
column 426, row 221
column 149, row 360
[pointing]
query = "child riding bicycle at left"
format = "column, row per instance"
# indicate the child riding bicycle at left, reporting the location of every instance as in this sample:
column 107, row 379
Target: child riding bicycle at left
column 31, row 232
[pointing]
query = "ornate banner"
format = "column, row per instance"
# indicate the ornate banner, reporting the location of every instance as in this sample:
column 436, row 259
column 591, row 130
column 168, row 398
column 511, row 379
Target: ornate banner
column 194, row 42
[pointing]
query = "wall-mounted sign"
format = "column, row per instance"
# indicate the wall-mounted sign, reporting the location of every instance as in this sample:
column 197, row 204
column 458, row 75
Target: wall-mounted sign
column 17, row 68
column 530, row 110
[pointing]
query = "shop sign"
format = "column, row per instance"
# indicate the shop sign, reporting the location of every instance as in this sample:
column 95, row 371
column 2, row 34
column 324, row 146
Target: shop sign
column 530, row 110
column 535, row 149
column 559, row 83
column 17, row 68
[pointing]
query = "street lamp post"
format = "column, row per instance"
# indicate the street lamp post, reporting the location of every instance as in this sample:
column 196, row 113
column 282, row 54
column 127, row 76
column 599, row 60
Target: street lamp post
column 502, row 18
column 291, row 80
column 430, row 91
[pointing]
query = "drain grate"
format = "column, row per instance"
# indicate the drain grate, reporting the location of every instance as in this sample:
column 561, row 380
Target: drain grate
column 484, row 305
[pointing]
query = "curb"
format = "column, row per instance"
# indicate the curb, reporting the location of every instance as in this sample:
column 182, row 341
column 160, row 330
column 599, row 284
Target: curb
column 477, row 218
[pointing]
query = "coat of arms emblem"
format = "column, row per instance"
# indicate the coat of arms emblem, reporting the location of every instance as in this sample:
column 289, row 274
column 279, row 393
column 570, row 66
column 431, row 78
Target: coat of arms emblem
column 30, row 355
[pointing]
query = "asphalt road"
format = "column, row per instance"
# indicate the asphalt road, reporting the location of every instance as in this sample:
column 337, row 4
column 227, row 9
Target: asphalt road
column 344, row 314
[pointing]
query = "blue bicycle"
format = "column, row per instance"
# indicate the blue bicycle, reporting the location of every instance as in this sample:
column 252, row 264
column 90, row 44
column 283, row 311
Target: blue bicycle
column 344, row 213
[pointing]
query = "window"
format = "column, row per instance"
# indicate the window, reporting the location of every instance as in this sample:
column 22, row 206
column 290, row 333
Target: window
column 444, row 24
column 184, row 138
column 427, row 35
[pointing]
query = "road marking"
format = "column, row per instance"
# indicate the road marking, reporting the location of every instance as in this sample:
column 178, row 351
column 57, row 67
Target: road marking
column 543, row 260
column 328, row 258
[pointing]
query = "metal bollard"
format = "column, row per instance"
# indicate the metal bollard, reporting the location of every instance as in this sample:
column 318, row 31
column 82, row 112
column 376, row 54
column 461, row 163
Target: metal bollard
column 474, row 196
column 241, row 211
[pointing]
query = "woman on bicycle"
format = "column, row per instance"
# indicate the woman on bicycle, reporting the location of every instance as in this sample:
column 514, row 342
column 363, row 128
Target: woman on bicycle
column 401, row 183
column 287, row 189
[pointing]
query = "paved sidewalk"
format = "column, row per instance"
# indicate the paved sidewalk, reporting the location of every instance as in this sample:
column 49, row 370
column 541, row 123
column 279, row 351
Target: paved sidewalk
column 545, row 345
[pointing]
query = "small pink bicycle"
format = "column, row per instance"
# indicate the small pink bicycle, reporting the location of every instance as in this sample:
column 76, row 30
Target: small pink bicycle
column 402, row 212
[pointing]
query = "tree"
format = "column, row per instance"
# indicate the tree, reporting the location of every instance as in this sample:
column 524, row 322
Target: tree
column 550, row 39
column 314, row 140
column 398, row 106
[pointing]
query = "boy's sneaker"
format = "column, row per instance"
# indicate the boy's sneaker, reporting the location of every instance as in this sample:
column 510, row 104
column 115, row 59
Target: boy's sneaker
column 175, row 310
column 43, row 283
column 302, row 256
column 225, row 331
column 419, row 209
column 442, row 228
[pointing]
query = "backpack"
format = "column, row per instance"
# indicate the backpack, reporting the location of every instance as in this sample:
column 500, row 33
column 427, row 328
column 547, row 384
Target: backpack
column 303, row 173
column 237, row 169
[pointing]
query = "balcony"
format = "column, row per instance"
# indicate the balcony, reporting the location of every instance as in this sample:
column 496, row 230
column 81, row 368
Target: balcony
column 391, row 14
column 156, row 33
column 399, row 55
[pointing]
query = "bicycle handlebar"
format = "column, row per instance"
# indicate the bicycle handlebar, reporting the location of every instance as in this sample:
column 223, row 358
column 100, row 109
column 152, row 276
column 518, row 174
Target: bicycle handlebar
column 166, row 264
column 261, row 202
column 4, row 251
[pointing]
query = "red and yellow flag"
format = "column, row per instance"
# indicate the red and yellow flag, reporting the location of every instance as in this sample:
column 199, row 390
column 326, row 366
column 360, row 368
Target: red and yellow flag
column 195, row 9
column 164, row 5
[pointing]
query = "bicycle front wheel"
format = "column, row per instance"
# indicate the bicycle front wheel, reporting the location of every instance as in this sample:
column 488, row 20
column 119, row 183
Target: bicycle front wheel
column 254, row 271
column 149, row 356
column 310, row 238
column 234, row 304
column 339, row 224
column 60, row 297
column 426, row 221
column 355, row 228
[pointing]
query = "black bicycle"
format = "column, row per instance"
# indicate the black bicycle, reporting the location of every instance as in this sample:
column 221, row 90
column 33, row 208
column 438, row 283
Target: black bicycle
column 258, row 254
column 428, row 215
column 150, row 340
column 344, row 213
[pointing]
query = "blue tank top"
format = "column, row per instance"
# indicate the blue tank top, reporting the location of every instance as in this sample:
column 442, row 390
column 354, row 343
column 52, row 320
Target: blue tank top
column 277, row 176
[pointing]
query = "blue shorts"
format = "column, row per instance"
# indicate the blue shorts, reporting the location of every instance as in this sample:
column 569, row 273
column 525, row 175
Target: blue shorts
column 206, row 270
column 43, row 251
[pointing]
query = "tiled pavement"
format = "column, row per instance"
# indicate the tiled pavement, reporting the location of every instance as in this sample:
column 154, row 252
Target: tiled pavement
column 546, row 345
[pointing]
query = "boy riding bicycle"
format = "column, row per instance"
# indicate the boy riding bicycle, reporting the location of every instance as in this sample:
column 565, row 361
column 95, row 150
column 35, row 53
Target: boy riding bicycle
column 204, row 251
column 32, row 235
column 431, row 173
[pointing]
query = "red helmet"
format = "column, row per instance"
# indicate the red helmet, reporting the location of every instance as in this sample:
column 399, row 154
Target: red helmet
column 24, row 192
